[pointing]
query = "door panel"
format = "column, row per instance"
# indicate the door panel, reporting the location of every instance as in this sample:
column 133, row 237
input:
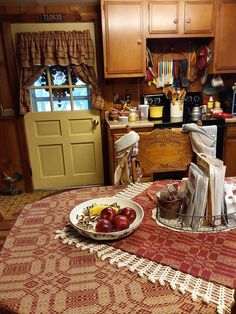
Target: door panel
column 65, row 149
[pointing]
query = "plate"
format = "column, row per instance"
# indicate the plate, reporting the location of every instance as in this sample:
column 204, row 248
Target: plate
column 115, row 235
column 223, row 115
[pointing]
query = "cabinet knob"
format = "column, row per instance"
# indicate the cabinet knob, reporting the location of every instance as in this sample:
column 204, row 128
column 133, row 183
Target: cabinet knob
column 188, row 20
column 139, row 42
column 175, row 21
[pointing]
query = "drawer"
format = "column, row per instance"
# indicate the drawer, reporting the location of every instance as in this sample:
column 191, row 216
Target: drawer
column 231, row 131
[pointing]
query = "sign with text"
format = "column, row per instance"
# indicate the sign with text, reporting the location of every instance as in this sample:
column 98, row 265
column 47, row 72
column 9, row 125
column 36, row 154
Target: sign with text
column 52, row 17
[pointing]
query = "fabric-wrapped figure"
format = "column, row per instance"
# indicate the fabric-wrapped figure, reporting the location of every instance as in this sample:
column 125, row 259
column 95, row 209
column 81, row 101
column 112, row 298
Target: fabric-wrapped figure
column 126, row 150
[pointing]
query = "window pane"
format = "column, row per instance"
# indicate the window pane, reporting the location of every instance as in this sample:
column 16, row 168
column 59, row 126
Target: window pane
column 42, row 106
column 79, row 82
column 42, row 80
column 41, row 93
column 59, row 75
column 58, row 91
column 80, row 91
column 81, row 104
column 63, row 105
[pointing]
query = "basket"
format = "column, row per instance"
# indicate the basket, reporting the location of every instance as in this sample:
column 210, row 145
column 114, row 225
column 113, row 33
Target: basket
column 169, row 209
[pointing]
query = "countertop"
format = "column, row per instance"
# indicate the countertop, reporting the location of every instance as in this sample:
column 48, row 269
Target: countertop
column 133, row 125
column 146, row 123
column 230, row 120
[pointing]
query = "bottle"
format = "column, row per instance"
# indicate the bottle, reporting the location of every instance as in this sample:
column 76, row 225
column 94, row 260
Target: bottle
column 217, row 108
column 210, row 105
column 132, row 115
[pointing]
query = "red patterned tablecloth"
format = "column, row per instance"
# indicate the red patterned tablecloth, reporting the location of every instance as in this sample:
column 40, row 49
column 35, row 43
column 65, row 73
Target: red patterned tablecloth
column 39, row 274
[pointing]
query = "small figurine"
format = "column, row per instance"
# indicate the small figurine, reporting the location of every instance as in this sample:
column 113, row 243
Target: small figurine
column 9, row 182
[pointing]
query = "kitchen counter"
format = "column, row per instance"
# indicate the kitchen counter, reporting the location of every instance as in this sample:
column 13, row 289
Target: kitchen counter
column 134, row 125
column 231, row 120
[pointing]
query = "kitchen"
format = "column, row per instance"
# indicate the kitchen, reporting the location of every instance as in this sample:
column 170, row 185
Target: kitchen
column 121, row 60
column 54, row 278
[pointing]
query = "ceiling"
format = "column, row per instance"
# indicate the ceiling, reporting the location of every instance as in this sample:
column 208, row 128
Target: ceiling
column 46, row 2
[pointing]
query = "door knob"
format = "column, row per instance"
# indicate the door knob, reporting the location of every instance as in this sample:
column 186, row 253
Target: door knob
column 188, row 20
column 95, row 123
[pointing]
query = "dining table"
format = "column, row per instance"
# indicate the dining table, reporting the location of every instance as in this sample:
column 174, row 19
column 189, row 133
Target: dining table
column 47, row 267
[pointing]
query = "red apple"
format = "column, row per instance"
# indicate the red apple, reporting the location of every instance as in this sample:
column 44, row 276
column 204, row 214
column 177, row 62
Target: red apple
column 129, row 212
column 121, row 222
column 108, row 213
column 104, row 225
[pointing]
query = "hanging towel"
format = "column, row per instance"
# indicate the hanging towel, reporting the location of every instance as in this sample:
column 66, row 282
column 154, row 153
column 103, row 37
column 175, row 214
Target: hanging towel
column 203, row 138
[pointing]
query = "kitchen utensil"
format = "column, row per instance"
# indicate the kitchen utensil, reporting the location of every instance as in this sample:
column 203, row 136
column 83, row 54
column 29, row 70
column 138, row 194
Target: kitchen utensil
column 184, row 80
column 158, row 75
column 176, row 72
column 196, row 112
column 171, row 78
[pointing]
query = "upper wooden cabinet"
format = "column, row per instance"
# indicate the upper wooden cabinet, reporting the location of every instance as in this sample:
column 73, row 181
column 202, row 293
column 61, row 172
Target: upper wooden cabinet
column 123, row 40
column 192, row 18
column 224, row 60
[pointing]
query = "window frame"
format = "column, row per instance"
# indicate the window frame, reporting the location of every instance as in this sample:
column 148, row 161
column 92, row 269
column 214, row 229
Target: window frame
column 51, row 98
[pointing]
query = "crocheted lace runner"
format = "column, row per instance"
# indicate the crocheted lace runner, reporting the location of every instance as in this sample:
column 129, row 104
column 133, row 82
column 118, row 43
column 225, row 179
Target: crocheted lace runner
column 156, row 273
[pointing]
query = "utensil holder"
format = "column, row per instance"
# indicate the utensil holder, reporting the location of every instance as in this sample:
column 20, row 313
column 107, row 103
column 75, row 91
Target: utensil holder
column 177, row 109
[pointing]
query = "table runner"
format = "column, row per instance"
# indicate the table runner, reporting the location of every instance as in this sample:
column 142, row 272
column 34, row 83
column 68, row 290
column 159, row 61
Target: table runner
column 185, row 260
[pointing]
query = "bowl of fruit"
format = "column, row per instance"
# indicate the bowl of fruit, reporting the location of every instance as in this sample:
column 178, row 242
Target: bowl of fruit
column 106, row 218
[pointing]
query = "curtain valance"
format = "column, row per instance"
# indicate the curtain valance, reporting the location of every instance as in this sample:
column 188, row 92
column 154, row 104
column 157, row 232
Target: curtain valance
column 39, row 49
column 55, row 48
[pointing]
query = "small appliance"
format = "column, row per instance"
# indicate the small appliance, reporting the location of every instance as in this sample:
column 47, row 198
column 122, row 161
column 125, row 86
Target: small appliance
column 157, row 105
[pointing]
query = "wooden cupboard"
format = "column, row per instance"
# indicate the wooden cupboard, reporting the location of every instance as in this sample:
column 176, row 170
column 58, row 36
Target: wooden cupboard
column 224, row 60
column 166, row 18
column 230, row 149
column 123, row 41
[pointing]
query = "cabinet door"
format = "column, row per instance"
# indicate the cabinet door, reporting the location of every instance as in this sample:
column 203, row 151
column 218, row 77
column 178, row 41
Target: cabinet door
column 225, row 44
column 163, row 17
column 230, row 151
column 123, row 44
column 199, row 17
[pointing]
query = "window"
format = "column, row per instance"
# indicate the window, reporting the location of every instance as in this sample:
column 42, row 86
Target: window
column 59, row 89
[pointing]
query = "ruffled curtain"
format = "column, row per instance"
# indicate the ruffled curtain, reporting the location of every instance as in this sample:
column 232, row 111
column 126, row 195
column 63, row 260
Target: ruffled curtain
column 36, row 50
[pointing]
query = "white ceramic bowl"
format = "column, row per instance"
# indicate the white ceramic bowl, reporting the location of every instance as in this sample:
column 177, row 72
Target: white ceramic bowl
column 122, row 202
column 123, row 119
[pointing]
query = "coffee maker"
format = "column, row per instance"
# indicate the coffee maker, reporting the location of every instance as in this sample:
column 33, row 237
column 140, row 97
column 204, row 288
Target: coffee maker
column 158, row 105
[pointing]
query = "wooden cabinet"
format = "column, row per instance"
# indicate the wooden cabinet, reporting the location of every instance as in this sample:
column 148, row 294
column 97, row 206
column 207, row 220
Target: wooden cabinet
column 224, row 60
column 230, row 149
column 123, row 41
column 168, row 18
